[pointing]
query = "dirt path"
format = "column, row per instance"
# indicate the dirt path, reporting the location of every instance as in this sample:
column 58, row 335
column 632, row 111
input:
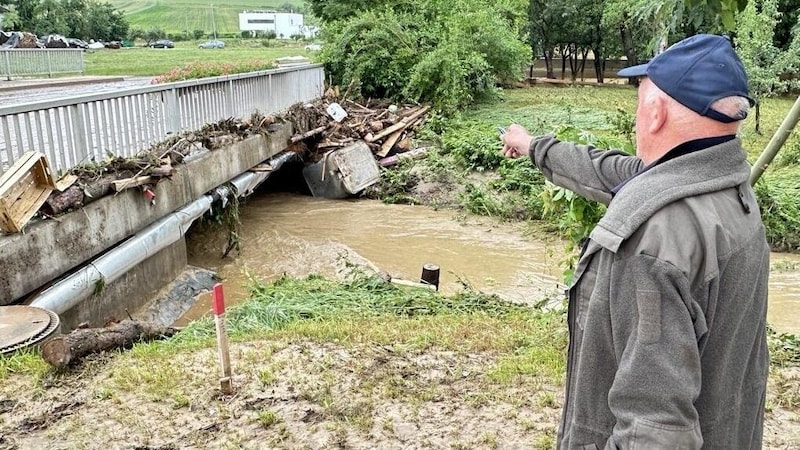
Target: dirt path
column 304, row 395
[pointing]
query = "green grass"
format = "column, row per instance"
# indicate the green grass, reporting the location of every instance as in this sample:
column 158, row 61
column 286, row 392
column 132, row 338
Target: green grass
column 143, row 61
column 177, row 16
column 543, row 109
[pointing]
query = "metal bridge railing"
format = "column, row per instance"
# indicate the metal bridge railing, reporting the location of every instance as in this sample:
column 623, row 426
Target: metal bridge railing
column 71, row 131
column 22, row 62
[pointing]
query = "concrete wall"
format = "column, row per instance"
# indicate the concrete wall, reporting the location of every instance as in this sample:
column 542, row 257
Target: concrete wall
column 52, row 248
column 129, row 293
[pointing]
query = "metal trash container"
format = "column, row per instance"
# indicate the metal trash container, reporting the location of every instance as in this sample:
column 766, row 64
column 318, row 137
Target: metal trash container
column 343, row 172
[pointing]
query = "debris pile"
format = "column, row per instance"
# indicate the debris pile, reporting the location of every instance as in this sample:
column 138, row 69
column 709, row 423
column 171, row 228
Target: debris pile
column 340, row 132
column 335, row 122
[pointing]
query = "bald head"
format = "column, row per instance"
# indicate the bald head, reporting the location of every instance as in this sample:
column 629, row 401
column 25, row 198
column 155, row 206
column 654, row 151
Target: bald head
column 662, row 123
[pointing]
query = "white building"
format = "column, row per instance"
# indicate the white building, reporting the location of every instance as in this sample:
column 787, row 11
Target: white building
column 285, row 25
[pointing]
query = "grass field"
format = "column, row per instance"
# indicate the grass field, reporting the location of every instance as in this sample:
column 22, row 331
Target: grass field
column 143, row 61
column 177, row 16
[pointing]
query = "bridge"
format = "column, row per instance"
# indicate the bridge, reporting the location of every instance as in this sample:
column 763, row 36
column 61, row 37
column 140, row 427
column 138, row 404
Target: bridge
column 114, row 254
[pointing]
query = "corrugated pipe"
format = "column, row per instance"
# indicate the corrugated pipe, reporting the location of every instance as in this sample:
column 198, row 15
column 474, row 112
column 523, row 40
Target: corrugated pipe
column 70, row 291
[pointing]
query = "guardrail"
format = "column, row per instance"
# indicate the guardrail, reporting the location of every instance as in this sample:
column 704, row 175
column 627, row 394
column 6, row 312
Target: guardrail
column 21, row 62
column 71, row 131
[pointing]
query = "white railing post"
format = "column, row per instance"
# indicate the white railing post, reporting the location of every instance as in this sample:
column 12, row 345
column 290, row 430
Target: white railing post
column 172, row 111
column 231, row 107
column 78, row 132
column 7, row 64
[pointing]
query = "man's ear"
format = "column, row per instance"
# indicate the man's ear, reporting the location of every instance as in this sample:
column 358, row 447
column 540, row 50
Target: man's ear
column 658, row 114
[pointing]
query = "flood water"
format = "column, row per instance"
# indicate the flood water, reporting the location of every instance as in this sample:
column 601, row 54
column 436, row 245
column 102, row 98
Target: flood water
column 300, row 235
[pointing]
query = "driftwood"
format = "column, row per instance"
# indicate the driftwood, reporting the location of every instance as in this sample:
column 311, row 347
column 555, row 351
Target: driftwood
column 384, row 128
column 120, row 185
column 70, row 348
column 402, row 124
column 308, row 134
column 59, row 202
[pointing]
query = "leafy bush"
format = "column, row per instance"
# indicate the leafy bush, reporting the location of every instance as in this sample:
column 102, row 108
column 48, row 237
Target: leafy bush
column 201, row 70
column 447, row 53
column 777, row 195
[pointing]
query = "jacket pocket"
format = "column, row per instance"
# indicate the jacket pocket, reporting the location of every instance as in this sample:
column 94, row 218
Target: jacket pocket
column 584, row 290
column 651, row 435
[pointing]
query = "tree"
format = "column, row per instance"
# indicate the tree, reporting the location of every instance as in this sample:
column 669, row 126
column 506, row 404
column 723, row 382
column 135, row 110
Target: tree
column 85, row 19
column 440, row 51
column 755, row 33
column 333, row 10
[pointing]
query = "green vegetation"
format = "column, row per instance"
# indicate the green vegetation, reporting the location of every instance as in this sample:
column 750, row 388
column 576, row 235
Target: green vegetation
column 184, row 16
column 143, row 61
column 449, row 53
column 466, row 144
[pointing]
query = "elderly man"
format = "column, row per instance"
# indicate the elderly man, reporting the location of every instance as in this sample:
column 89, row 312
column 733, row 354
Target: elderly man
column 667, row 310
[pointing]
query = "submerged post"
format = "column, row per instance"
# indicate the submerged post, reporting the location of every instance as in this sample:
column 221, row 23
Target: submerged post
column 430, row 275
column 222, row 340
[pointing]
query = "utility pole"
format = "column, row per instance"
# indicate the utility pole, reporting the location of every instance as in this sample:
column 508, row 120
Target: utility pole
column 213, row 23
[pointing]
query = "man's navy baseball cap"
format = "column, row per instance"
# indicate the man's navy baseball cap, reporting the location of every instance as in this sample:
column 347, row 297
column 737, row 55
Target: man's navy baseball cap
column 696, row 72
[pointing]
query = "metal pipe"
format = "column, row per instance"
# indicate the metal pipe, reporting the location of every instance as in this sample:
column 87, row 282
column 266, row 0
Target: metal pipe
column 70, row 291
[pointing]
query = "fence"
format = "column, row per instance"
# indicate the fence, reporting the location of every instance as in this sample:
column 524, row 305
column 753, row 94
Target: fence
column 71, row 131
column 20, row 62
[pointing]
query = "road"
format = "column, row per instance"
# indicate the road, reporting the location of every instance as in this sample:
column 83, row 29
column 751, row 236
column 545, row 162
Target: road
column 28, row 91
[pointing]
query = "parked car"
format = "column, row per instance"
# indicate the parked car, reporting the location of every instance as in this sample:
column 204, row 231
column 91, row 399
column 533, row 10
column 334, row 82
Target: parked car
column 162, row 43
column 314, row 47
column 212, row 44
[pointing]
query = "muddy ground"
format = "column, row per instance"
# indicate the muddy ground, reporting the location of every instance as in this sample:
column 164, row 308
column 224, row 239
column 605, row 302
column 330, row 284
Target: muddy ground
column 305, row 395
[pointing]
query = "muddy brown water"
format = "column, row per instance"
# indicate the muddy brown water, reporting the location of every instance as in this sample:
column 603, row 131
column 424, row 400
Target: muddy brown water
column 300, row 235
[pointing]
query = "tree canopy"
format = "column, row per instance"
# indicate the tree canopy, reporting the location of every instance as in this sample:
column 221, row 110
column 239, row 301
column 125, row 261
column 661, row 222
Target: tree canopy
column 83, row 19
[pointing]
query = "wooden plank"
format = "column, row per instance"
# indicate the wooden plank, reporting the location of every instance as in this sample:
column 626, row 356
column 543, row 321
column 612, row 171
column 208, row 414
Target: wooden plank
column 65, row 182
column 23, row 190
column 16, row 171
column 403, row 123
column 126, row 183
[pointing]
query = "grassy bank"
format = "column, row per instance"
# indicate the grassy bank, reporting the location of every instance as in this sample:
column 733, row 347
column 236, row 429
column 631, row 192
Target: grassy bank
column 325, row 364
column 144, row 61
column 465, row 153
column 316, row 362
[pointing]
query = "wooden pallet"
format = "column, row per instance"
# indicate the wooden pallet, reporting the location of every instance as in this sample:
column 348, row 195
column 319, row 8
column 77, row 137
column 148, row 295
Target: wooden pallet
column 23, row 190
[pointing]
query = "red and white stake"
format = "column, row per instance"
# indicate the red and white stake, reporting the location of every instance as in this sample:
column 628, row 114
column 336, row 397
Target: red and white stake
column 222, row 340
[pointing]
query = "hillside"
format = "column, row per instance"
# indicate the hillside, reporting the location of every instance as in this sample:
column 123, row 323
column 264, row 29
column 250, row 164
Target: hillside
column 176, row 16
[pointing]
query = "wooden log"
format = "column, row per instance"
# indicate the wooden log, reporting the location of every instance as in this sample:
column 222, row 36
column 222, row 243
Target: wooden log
column 96, row 191
column 413, row 284
column 308, row 134
column 125, row 183
column 59, row 202
column 162, row 171
column 402, row 124
column 389, row 143
column 61, row 351
column 413, row 154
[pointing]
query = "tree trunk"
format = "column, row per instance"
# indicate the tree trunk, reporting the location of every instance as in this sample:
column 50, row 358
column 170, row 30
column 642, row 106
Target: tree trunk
column 758, row 118
column 67, row 349
column 59, row 202
column 548, row 63
column 584, row 55
column 599, row 65
column 628, row 47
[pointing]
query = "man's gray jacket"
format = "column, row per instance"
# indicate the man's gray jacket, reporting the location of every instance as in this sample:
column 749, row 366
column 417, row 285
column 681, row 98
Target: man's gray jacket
column 667, row 310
